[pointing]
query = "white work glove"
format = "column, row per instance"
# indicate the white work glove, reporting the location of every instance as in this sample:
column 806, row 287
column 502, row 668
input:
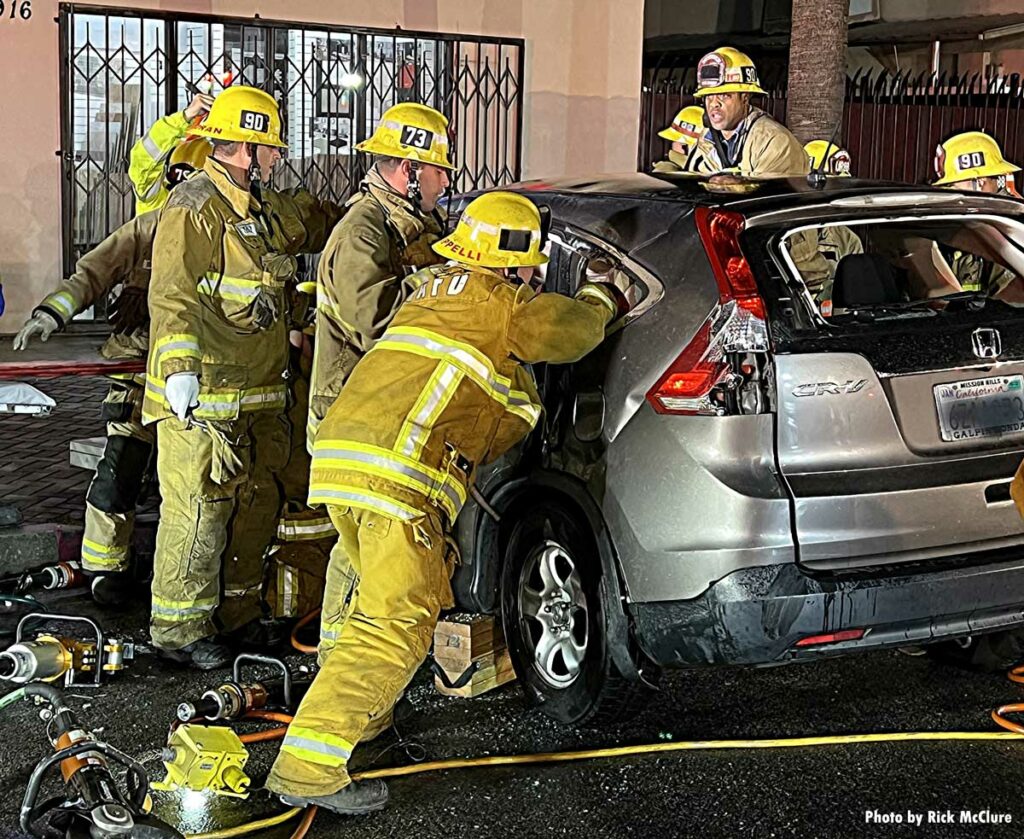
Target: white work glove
column 40, row 324
column 182, row 391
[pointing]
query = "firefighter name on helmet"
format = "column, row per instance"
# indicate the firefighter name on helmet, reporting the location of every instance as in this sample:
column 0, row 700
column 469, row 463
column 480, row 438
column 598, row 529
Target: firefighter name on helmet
column 726, row 70
column 497, row 230
column 969, row 156
column 836, row 165
column 687, row 127
column 411, row 131
column 243, row 115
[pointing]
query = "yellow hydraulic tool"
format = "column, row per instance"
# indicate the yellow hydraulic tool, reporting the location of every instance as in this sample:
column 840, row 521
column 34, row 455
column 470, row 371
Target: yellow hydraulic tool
column 200, row 757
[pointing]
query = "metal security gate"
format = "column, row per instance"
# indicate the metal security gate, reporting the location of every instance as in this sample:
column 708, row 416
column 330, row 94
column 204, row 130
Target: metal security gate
column 124, row 69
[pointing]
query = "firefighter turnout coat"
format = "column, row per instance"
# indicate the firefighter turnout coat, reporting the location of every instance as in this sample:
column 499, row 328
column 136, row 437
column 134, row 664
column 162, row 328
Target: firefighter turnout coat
column 381, row 240
column 444, row 390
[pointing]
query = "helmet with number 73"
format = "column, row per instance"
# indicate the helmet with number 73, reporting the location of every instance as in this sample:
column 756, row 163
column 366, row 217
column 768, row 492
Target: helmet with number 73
column 970, row 156
column 411, row 131
column 243, row 115
column 497, row 230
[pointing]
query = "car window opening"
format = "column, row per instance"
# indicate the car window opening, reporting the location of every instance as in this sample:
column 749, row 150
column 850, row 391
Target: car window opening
column 906, row 268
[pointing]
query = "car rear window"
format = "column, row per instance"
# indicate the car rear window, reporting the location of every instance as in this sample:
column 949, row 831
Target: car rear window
column 886, row 269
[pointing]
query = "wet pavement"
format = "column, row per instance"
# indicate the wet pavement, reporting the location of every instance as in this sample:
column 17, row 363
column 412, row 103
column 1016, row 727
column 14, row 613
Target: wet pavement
column 803, row 792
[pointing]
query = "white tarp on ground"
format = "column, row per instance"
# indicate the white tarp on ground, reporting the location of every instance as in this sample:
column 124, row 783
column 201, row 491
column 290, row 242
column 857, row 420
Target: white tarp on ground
column 20, row 398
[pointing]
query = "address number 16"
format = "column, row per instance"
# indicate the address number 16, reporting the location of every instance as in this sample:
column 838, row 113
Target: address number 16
column 22, row 9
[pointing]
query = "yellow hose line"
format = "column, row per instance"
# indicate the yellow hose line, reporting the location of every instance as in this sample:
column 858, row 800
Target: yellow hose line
column 685, row 746
column 246, row 829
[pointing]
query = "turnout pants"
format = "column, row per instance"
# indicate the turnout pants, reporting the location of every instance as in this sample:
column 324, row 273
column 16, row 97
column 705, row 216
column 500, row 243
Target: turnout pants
column 403, row 585
column 115, row 489
column 219, row 513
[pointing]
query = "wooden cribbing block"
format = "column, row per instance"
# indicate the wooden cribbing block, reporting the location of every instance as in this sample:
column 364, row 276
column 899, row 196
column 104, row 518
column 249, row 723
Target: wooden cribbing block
column 463, row 640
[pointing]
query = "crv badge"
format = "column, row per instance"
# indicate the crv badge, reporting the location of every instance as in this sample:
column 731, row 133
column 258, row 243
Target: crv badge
column 821, row 388
column 986, row 343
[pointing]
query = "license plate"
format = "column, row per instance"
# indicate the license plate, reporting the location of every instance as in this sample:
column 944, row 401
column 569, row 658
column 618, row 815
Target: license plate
column 980, row 408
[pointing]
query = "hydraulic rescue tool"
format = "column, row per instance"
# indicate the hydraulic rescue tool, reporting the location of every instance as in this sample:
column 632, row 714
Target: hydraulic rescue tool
column 93, row 806
column 200, row 757
column 50, row 578
column 49, row 657
column 233, row 700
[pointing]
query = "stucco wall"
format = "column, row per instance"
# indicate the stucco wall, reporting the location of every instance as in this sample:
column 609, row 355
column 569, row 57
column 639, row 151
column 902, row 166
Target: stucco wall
column 583, row 60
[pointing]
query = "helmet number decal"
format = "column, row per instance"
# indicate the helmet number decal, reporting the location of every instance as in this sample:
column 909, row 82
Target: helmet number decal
column 749, row 75
column 255, row 121
column 970, row 160
column 418, row 138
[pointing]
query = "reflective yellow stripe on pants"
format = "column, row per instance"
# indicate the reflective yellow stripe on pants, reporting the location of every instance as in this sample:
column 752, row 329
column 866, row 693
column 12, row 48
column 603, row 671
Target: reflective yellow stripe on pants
column 317, row 747
column 96, row 556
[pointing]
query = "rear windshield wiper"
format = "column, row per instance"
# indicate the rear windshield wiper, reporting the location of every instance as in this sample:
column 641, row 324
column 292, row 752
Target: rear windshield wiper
column 973, row 300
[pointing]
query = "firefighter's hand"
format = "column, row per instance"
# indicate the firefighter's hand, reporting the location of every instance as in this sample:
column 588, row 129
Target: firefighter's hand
column 199, row 106
column 281, row 266
column 40, row 324
column 129, row 311
column 182, row 390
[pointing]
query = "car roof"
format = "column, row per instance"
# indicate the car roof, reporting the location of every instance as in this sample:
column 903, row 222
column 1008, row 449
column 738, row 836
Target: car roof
column 699, row 190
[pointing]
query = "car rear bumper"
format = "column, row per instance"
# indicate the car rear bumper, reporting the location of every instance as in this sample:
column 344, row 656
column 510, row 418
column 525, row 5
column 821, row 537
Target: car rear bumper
column 757, row 615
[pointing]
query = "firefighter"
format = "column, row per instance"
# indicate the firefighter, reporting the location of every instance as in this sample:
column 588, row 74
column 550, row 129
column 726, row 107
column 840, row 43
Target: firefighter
column 831, row 242
column 442, row 391
column 147, row 161
column 123, row 258
column 385, row 235
column 741, row 138
column 216, row 387
column 684, row 132
column 973, row 162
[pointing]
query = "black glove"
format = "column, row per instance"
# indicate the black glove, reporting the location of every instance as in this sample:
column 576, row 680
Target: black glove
column 130, row 311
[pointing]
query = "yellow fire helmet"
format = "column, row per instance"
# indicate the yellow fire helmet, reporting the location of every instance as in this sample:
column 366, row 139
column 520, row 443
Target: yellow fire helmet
column 411, row 131
column 191, row 151
column 838, row 163
column 726, row 70
column 687, row 127
column 243, row 115
column 497, row 230
column 973, row 154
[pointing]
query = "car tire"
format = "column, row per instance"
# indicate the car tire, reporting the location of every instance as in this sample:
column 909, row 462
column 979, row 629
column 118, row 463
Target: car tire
column 991, row 653
column 555, row 622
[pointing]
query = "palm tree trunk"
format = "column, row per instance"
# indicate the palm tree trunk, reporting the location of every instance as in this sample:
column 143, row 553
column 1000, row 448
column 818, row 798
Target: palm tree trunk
column 817, row 68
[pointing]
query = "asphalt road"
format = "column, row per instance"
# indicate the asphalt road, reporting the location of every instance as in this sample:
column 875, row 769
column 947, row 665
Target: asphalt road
column 802, row 792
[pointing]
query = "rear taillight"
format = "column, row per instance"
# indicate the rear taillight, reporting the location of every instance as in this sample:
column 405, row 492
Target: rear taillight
column 737, row 324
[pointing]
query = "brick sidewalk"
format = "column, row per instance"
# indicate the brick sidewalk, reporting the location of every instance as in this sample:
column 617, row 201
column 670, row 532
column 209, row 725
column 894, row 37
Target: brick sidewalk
column 36, row 475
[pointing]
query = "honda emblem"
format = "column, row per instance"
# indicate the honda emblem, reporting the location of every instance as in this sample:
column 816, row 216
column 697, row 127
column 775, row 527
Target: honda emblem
column 986, row 343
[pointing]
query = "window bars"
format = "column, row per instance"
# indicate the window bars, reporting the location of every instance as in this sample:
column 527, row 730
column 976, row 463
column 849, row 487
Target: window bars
column 123, row 69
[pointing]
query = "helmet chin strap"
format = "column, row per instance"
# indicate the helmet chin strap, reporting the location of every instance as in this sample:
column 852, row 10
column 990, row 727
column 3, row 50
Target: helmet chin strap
column 255, row 172
column 413, row 191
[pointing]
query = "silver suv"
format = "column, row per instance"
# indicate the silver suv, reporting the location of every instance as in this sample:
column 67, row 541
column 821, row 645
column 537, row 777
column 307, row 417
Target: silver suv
column 792, row 450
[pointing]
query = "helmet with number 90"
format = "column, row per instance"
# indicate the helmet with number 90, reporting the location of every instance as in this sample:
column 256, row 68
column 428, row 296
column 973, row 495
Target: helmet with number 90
column 971, row 155
column 243, row 115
